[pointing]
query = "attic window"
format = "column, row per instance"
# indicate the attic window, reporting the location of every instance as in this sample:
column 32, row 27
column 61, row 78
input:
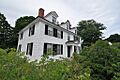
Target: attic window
column 53, row 19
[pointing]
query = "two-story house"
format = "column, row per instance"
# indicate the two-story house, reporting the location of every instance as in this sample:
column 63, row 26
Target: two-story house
column 45, row 33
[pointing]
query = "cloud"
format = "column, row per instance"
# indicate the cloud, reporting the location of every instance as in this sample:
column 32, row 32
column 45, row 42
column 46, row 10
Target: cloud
column 103, row 11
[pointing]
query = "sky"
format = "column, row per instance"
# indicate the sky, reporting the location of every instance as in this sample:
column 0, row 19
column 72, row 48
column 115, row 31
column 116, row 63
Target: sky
column 102, row 11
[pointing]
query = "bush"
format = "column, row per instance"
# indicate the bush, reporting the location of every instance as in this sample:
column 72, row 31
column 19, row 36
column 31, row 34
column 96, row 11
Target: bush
column 104, row 61
column 15, row 66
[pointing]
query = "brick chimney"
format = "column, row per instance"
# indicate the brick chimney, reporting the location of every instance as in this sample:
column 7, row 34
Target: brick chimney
column 41, row 12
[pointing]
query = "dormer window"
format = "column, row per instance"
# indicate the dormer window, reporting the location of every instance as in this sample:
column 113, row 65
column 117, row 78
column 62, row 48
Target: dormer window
column 53, row 19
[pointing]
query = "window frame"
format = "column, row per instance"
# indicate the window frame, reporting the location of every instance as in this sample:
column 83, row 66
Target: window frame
column 29, row 50
column 21, row 36
column 32, row 30
column 53, row 32
column 56, row 48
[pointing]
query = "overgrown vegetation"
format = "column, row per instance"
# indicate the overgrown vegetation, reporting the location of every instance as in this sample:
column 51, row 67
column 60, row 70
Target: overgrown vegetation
column 104, row 61
column 100, row 61
column 15, row 67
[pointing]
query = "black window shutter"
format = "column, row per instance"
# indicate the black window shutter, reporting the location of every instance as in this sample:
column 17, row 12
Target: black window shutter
column 56, row 33
column 61, row 49
column 27, row 49
column 31, row 48
column 45, row 48
column 33, row 30
column 29, row 31
column 61, row 34
column 46, row 29
column 53, row 31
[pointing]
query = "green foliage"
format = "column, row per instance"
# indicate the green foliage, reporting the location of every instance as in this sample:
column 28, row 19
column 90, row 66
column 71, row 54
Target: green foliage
column 104, row 61
column 117, row 45
column 90, row 31
column 15, row 66
column 20, row 24
column 114, row 38
column 23, row 22
column 6, row 33
column 66, row 69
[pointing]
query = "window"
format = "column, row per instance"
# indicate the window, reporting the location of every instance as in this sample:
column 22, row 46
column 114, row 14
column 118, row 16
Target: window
column 54, row 32
column 31, row 30
column 21, row 36
column 61, row 34
column 50, row 31
column 46, row 29
column 49, row 47
column 56, row 48
column 29, row 49
column 68, row 37
column 19, row 47
column 53, row 19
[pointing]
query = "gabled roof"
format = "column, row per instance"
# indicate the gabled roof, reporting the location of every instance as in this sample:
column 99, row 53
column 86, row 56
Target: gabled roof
column 52, row 13
column 46, row 22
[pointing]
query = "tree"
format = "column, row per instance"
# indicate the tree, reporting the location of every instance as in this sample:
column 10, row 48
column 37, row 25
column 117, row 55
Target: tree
column 23, row 22
column 114, row 38
column 20, row 24
column 6, row 31
column 90, row 31
column 104, row 61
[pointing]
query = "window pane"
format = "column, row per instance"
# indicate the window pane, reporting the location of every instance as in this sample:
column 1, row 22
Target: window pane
column 29, row 49
column 54, row 32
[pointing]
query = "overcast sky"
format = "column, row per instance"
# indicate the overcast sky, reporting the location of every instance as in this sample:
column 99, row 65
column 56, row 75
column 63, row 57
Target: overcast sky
column 103, row 11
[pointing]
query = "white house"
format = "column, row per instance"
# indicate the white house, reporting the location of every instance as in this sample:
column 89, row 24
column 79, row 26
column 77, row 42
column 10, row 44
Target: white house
column 44, row 34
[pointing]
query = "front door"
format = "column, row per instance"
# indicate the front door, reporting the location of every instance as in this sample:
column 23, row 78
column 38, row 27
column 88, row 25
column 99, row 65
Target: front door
column 68, row 49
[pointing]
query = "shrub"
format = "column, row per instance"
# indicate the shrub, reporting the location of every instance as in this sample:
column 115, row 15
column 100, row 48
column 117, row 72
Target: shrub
column 104, row 61
column 13, row 66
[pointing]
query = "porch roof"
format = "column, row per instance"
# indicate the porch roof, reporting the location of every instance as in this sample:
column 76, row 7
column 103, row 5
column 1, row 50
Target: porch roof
column 72, row 42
